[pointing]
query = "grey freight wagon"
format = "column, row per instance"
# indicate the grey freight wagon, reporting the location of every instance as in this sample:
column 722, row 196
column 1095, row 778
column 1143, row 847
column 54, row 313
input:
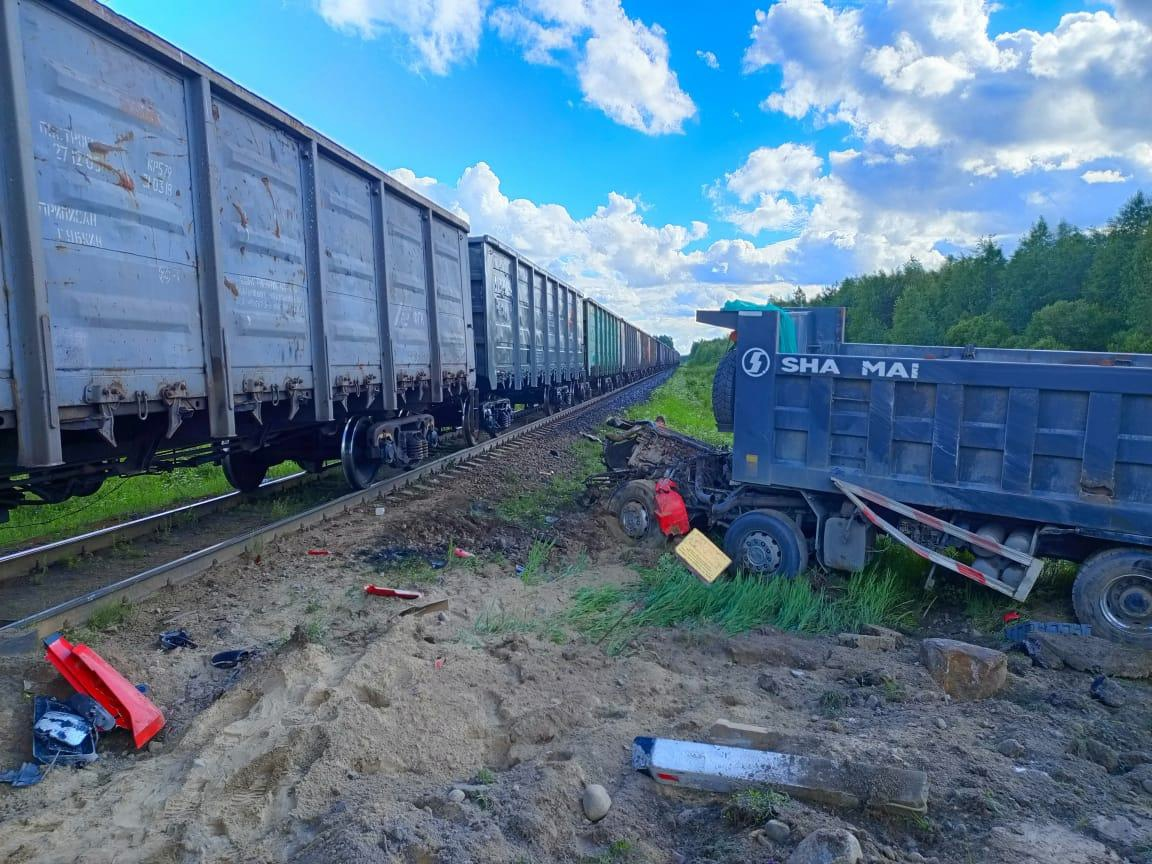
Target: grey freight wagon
column 193, row 264
column 1012, row 455
column 529, row 333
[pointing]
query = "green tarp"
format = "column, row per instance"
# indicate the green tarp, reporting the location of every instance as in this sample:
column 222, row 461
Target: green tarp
column 787, row 325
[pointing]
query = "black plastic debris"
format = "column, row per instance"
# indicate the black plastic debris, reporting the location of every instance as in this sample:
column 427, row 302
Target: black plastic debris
column 1020, row 632
column 92, row 711
column 60, row 736
column 173, row 639
column 230, row 659
column 28, row 774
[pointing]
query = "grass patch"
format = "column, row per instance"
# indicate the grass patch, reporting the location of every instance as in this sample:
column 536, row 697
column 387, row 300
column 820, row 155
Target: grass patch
column 685, row 401
column 618, row 852
column 538, row 557
column 532, row 508
column 748, row 807
column 120, row 498
column 667, row 595
column 107, row 617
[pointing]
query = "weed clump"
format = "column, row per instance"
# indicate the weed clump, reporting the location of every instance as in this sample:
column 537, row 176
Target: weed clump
column 756, row 806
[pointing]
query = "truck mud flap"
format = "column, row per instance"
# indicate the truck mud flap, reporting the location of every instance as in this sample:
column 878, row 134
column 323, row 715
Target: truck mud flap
column 858, row 496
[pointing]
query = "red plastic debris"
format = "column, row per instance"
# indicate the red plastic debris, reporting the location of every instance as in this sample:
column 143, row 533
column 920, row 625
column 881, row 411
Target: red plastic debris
column 462, row 553
column 671, row 512
column 319, row 552
column 1009, row 617
column 438, row 663
column 90, row 673
column 380, row 591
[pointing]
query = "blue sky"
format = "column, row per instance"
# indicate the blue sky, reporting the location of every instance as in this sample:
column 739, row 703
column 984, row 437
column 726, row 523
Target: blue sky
column 668, row 156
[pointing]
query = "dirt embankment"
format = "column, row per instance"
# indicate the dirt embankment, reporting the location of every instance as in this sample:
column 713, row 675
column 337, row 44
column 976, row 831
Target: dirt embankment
column 344, row 739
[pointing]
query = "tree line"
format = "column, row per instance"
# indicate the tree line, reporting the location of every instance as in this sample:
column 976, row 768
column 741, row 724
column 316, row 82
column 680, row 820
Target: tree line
column 1060, row 289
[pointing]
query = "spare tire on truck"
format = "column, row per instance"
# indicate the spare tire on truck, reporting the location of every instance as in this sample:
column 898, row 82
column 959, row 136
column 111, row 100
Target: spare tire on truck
column 724, row 392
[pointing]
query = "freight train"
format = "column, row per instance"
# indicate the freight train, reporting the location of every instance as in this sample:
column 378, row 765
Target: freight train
column 192, row 275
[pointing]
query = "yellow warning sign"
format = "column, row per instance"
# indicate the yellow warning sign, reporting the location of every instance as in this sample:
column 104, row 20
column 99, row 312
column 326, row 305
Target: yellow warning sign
column 702, row 556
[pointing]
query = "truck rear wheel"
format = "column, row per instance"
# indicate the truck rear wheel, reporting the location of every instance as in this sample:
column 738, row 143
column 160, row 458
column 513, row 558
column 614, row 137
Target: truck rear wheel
column 1113, row 594
column 766, row 543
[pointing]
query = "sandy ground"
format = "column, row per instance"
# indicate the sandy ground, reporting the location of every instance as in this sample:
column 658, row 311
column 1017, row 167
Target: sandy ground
column 342, row 739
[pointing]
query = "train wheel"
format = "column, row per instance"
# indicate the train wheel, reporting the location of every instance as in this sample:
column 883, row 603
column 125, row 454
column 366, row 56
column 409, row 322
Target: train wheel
column 244, row 471
column 1113, row 594
column 766, row 543
column 470, row 423
column 549, row 402
column 360, row 467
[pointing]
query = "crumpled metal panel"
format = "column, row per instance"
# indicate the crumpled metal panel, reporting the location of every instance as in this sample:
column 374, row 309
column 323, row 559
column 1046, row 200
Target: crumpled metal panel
column 258, row 191
column 349, row 261
column 114, row 184
column 407, row 290
column 451, row 314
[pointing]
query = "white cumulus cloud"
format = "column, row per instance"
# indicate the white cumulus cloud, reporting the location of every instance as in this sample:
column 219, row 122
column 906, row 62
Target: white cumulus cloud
column 656, row 275
column 916, row 74
column 622, row 63
column 708, row 59
column 440, row 33
column 1109, row 176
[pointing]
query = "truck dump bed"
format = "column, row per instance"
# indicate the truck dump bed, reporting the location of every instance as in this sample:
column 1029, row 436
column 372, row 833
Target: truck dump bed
column 1056, row 437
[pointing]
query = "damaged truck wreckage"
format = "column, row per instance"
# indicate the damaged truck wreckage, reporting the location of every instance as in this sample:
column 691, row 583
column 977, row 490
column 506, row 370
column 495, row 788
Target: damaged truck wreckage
column 985, row 462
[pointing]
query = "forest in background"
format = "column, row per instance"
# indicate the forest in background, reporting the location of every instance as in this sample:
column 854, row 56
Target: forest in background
column 1061, row 288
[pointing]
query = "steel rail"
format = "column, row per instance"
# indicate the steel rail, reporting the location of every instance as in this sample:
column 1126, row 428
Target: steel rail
column 25, row 635
column 25, row 561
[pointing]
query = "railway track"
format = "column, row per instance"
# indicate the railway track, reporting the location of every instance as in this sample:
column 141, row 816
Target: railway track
column 25, row 634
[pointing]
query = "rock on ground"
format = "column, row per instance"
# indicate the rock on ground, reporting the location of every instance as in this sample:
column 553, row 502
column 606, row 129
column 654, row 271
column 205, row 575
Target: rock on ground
column 828, row 846
column 965, row 672
column 596, row 802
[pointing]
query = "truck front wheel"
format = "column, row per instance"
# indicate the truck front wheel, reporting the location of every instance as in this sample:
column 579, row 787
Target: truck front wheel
column 1113, row 594
column 766, row 543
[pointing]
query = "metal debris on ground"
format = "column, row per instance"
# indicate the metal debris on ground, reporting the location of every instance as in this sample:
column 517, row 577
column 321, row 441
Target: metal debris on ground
column 173, row 639
column 398, row 593
column 60, row 736
column 717, row 768
column 91, row 674
column 1020, row 632
column 319, row 552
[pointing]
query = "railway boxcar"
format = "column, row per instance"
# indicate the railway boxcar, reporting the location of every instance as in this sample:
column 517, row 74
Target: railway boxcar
column 528, row 332
column 602, row 338
column 193, row 266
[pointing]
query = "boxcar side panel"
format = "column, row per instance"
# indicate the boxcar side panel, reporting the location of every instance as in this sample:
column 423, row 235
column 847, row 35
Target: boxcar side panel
column 523, row 290
column 453, row 314
column 349, row 258
column 258, row 190
column 109, row 133
column 540, row 321
column 405, row 263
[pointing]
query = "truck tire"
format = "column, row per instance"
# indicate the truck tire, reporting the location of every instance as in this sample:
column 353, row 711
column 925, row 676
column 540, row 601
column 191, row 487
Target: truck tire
column 635, row 509
column 724, row 392
column 1113, row 595
column 766, row 543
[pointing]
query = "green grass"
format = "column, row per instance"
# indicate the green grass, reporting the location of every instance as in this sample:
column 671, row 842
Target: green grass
column 667, row 595
column 685, row 401
column 538, row 557
column 747, row 807
column 107, row 617
column 531, row 508
column 496, row 620
column 120, row 498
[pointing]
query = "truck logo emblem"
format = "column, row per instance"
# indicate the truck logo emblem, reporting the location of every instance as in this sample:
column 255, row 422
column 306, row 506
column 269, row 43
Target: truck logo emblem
column 756, row 362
